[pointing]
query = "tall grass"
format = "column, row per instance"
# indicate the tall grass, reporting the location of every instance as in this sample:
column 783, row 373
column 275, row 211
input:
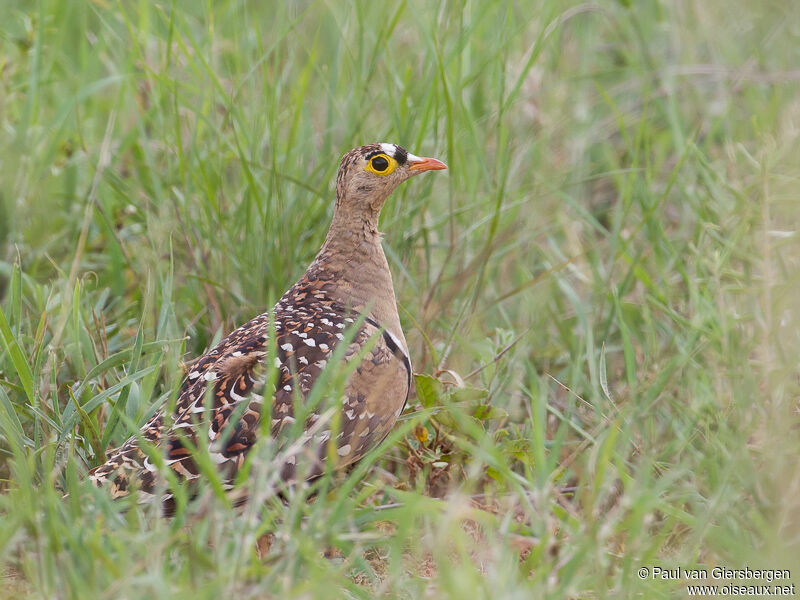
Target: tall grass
column 600, row 296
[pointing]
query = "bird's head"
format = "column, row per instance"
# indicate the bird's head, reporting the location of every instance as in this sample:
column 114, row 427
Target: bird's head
column 369, row 174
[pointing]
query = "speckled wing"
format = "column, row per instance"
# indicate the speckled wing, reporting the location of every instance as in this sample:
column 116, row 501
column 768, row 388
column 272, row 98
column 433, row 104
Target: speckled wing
column 232, row 368
column 374, row 395
column 232, row 375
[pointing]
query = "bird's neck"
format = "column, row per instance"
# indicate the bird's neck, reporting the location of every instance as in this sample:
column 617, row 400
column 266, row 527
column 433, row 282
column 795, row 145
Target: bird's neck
column 352, row 256
column 352, row 228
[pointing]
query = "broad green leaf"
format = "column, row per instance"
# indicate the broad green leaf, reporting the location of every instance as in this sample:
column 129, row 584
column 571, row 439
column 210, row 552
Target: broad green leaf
column 429, row 390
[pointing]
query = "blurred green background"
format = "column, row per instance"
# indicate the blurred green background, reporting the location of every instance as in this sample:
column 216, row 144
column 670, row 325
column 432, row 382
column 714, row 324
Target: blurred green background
column 600, row 295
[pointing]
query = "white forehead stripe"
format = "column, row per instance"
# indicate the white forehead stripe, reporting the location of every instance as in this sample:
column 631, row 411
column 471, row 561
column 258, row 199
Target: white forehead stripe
column 391, row 150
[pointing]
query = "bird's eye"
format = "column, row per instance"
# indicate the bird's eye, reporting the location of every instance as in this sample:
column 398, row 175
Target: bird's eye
column 379, row 163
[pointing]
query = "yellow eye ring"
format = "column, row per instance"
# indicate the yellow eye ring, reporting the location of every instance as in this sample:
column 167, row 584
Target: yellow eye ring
column 381, row 164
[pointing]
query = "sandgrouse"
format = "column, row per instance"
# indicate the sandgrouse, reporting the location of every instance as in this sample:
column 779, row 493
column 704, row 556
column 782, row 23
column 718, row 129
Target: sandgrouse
column 345, row 296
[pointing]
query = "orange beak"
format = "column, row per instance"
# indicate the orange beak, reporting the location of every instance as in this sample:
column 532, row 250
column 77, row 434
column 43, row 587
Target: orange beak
column 420, row 164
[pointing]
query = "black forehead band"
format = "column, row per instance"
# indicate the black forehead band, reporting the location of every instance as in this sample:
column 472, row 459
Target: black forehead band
column 400, row 154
